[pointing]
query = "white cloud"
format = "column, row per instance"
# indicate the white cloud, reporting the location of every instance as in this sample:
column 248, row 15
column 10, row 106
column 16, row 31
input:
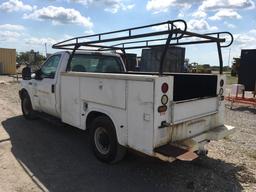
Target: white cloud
column 112, row 6
column 230, row 25
column 89, row 32
column 245, row 40
column 8, row 36
column 157, row 6
column 222, row 8
column 164, row 27
column 184, row 10
column 193, row 25
column 225, row 13
column 60, row 15
column 200, row 25
column 39, row 41
column 160, row 27
column 116, row 7
column 199, row 14
column 11, row 27
column 84, row 2
column 226, row 4
column 10, row 33
column 15, row 5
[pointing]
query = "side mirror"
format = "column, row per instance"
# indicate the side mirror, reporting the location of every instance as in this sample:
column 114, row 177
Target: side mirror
column 38, row 75
column 26, row 73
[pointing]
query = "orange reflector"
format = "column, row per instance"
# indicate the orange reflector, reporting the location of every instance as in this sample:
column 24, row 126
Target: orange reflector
column 162, row 108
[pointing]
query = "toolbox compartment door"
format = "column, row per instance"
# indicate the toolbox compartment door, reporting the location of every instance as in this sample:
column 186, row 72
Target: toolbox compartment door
column 192, row 109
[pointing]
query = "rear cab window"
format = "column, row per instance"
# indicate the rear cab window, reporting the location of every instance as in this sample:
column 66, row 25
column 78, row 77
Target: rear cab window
column 96, row 63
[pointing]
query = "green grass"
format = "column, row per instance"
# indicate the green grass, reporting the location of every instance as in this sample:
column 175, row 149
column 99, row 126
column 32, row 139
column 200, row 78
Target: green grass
column 230, row 79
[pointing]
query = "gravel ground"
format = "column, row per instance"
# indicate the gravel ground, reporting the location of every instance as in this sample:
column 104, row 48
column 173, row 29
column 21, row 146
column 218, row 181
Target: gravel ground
column 39, row 156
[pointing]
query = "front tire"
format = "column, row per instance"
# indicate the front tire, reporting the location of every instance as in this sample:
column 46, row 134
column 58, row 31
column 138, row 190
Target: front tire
column 26, row 108
column 104, row 141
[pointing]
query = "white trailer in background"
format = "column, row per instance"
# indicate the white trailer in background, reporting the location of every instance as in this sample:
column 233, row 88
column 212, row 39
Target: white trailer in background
column 165, row 115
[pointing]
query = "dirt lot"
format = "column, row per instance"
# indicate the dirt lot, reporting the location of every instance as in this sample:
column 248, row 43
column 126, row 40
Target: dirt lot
column 39, row 156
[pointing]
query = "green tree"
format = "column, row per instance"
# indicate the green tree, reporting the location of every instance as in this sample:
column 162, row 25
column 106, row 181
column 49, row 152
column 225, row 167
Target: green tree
column 30, row 58
column 235, row 66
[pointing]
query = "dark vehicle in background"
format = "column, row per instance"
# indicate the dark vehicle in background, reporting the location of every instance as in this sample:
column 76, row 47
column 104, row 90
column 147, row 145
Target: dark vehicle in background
column 247, row 69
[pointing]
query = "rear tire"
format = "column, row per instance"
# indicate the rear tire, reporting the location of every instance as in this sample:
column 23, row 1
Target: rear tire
column 104, row 141
column 26, row 108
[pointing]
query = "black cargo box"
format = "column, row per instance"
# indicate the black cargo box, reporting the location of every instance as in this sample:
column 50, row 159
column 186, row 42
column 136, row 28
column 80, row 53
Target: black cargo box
column 247, row 69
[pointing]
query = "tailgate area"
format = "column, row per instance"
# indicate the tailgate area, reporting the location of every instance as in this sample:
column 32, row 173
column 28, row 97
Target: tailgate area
column 193, row 109
column 191, row 86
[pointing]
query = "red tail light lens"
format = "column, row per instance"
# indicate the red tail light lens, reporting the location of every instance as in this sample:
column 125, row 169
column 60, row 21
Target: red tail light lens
column 165, row 87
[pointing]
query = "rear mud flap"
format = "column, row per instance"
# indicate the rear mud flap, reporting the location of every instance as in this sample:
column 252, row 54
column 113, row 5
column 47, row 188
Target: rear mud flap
column 175, row 152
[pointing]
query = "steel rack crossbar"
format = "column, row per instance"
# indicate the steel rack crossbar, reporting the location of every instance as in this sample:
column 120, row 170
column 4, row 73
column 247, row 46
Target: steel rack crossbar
column 169, row 33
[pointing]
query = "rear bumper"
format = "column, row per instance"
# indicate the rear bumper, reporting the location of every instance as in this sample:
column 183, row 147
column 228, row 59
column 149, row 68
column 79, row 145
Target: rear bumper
column 216, row 133
column 184, row 150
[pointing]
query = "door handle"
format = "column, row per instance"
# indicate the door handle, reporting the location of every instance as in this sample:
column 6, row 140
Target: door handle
column 53, row 88
column 100, row 85
column 30, row 83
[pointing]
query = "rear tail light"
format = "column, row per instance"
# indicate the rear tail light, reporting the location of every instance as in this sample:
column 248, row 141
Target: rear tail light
column 221, row 91
column 164, row 99
column 221, row 82
column 162, row 108
column 164, row 87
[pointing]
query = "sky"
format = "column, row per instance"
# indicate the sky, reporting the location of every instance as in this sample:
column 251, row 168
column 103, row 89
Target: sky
column 30, row 24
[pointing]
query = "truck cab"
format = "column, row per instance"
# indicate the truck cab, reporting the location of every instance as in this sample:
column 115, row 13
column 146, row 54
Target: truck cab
column 44, row 86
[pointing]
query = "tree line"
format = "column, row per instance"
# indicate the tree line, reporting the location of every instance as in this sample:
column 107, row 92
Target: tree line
column 29, row 58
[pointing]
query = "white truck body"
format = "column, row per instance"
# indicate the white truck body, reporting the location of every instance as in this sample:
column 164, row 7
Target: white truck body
column 131, row 101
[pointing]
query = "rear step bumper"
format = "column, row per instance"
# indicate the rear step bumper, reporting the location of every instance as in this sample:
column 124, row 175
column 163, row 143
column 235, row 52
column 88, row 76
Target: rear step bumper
column 185, row 150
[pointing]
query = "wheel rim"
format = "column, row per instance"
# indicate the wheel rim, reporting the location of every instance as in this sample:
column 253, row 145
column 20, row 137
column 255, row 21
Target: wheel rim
column 26, row 106
column 102, row 140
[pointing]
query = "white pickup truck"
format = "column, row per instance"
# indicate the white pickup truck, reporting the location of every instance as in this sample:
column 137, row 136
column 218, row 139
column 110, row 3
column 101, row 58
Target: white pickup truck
column 165, row 115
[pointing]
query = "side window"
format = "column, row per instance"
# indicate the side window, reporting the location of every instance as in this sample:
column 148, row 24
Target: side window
column 84, row 63
column 109, row 65
column 50, row 67
column 95, row 63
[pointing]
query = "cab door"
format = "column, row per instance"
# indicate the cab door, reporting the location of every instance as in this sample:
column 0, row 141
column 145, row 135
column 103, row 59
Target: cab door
column 45, row 85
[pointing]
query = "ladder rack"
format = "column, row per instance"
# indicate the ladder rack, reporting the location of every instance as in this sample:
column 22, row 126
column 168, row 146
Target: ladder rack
column 169, row 33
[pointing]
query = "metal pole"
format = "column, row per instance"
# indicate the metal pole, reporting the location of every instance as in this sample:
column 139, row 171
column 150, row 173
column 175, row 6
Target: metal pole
column 125, row 58
column 45, row 46
column 70, row 57
column 164, row 53
column 220, row 57
column 229, row 55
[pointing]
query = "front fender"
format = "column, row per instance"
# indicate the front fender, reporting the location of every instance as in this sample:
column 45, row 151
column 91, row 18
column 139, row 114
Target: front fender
column 22, row 93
